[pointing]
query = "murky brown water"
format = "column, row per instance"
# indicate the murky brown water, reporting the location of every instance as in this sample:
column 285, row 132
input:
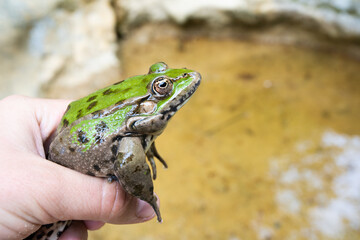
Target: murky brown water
column 268, row 148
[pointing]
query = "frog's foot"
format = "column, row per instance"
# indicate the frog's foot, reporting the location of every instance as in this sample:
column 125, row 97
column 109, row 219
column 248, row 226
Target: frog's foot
column 133, row 172
column 155, row 206
column 111, row 178
column 150, row 154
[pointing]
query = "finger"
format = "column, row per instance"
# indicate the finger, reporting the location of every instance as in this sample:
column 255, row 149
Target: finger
column 48, row 113
column 39, row 118
column 67, row 194
column 94, row 225
column 76, row 231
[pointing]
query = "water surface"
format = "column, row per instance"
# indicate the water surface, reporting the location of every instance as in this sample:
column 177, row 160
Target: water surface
column 267, row 148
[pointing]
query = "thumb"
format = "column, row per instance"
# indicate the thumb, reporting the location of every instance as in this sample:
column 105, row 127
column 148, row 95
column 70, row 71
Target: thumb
column 67, row 194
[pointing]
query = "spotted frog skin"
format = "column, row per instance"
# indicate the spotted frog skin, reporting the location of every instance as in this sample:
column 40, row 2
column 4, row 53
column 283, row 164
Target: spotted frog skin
column 110, row 133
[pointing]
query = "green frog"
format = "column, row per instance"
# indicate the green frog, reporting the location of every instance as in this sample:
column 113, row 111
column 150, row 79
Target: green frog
column 111, row 132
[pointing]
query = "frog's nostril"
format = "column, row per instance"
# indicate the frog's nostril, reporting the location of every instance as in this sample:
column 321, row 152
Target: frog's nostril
column 195, row 75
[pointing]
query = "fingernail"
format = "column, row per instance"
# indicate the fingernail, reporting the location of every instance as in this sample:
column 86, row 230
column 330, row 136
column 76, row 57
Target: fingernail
column 144, row 210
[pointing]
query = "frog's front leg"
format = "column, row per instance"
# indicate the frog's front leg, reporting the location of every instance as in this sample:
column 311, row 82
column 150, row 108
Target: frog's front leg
column 133, row 172
column 150, row 154
column 154, row 124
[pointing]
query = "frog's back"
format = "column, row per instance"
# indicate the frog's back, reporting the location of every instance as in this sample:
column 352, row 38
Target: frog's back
column 104, row 98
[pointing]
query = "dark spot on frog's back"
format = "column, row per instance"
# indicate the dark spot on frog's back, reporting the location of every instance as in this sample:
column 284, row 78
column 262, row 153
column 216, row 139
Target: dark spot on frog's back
column 91, row 98
column 107, row 91
column 79, row 114
column 71, row 149
column 82, row 137
column 98, row 139
column 114, row 149
column 101, row 127
column 96, row 167
column 118, row 82
column 91, row 105
column 67, row 109
column 65, row 122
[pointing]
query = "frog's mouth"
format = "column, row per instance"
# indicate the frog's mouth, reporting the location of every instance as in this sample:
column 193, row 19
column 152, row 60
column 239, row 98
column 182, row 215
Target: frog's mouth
column 178, row 101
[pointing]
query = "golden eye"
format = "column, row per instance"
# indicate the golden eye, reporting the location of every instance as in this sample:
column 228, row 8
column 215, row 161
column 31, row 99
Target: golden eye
column 162, row 87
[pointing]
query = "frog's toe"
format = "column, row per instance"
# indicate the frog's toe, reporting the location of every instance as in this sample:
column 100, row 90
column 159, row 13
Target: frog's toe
column 150, row 157
column 153, row 166
column 111, row 178
column 155, row 206
column 156, row 154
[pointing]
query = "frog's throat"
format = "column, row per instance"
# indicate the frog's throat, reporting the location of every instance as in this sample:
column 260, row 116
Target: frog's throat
column 173, row 106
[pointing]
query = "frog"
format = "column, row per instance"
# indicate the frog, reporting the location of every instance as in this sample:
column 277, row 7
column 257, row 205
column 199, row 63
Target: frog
column 111, row 133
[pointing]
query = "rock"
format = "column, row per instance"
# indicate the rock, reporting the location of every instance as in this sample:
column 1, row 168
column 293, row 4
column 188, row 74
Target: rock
column 16, row 16
column 339, row 19
column 65, row 50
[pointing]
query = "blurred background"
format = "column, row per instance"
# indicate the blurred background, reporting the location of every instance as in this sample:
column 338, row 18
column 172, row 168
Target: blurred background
column 267, row 148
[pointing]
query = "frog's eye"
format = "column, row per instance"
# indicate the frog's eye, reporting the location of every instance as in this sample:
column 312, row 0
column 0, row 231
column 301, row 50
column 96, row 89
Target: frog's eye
column 158, row 67
column 162, row 87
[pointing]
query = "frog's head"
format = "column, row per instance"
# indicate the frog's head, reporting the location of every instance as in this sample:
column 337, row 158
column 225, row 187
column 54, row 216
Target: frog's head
column 170, row 89
column 162, row 91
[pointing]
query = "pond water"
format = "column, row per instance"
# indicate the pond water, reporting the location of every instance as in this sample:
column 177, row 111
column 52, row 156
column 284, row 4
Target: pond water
column 267, row 148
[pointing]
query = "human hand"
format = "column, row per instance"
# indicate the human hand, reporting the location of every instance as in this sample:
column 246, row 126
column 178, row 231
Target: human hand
column 35, row 191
